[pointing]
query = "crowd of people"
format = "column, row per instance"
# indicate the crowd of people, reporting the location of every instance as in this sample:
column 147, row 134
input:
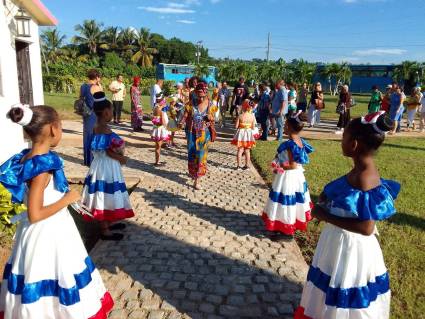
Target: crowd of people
column 50, row 270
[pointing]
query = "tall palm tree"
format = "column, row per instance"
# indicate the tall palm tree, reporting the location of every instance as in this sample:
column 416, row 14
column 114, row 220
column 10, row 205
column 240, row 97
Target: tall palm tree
column 127, row 38
column 145, row 52
column 111, row 38
column 90, row 35
column 51, row 44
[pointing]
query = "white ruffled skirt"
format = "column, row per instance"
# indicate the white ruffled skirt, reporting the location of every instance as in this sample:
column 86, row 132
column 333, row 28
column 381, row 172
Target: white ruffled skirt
column 289, row 205
column 49, row 274
column 244, row 137
column 105, row 192
column 347, row 279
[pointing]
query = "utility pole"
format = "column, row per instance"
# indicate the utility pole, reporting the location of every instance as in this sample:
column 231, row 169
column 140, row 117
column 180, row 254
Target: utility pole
column 198, row 50
column 268, row 47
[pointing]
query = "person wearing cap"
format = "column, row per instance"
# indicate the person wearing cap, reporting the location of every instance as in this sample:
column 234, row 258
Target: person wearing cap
column 200, row 131
column 136, row 105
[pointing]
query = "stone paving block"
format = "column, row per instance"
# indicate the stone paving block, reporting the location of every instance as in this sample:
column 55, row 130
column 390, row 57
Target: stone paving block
column 193, row 253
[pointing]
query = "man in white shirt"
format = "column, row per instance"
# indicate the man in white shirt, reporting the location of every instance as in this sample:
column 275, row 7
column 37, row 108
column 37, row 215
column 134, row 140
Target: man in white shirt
column 156, row 88
column 117, row 88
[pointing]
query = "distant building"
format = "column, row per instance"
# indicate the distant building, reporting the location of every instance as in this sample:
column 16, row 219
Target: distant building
column 178, row 72
column 20, row 64
column 363, row 78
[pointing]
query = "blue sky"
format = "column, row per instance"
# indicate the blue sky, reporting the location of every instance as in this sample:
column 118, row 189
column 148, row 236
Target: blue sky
column 356, row 31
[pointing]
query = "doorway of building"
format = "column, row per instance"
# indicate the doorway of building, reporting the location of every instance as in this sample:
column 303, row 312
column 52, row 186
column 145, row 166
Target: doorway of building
column 24, row 72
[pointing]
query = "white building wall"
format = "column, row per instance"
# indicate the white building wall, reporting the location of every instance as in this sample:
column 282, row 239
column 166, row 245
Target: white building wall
column 12, row 140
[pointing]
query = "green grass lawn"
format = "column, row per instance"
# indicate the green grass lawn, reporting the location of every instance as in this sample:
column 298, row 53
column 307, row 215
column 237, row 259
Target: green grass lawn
column 359, row 109
column 64, row 104
column 402, row 237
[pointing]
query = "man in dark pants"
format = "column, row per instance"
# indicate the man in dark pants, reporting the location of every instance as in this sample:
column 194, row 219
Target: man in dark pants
column 264, row 111
column 240, row 93
column 117, row 88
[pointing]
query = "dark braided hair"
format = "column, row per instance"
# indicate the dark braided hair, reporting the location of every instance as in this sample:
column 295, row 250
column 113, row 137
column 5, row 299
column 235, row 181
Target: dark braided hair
column 42, row 115
column 367, row 135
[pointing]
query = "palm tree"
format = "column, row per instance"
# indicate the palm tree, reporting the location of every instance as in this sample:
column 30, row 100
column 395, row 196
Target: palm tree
column 201, row 70
column 111, row 38
column 90, row 35
column 144, row 54
column 51, row 43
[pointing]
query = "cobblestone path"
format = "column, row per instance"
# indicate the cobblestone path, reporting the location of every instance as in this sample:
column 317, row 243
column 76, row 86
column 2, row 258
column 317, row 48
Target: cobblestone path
column 190, row 254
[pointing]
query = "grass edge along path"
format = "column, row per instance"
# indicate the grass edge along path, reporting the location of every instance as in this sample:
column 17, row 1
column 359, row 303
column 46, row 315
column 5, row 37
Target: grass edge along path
column 402, row 237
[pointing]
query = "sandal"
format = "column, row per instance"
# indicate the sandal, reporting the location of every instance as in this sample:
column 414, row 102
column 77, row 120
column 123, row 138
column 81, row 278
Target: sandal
column 113, row 236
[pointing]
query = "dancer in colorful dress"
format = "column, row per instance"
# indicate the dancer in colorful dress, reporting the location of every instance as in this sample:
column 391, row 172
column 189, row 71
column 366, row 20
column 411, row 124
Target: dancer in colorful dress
column 49, row 274
column 136, row 106
column 105, row 193
column 289, row 204
column 200, row 131
column 160, row 134
column 348, row 278
column 244, row 138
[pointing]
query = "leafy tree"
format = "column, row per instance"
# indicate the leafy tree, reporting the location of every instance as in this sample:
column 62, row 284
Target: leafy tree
column 90, row 35
column 111, row 38
column 201, row 70
column 51, row 43
column 144, row 55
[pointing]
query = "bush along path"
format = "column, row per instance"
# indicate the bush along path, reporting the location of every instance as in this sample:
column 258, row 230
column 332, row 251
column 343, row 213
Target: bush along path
column 190, row 254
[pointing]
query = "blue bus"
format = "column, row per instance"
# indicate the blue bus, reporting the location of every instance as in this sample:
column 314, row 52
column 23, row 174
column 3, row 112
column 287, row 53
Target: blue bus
column 364, row 76
column 178, row 72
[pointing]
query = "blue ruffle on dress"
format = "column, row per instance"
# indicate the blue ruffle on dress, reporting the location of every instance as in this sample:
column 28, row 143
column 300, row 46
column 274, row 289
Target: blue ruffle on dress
column 374, row 204
column 299, row 154
column 101, row 142
column 14, row 173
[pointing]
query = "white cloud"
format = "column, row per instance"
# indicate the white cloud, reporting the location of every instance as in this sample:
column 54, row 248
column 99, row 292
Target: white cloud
column 379, row 52
column 177, row 5
column 186, row 21
column 166, row 10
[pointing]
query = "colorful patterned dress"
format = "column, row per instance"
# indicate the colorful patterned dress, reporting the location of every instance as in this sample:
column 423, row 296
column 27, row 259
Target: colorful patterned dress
column 105, row 193
column 198, row 138
column 289, row 204
column 348, row 278
column 136, row 109
column 49, row 274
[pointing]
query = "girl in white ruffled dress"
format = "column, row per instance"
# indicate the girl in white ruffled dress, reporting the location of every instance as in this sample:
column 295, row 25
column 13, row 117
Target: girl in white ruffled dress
column 348, row 278
column 160, row 134
column 49, row 274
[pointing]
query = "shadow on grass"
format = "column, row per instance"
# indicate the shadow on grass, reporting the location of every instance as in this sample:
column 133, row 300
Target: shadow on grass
column 404, row 219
